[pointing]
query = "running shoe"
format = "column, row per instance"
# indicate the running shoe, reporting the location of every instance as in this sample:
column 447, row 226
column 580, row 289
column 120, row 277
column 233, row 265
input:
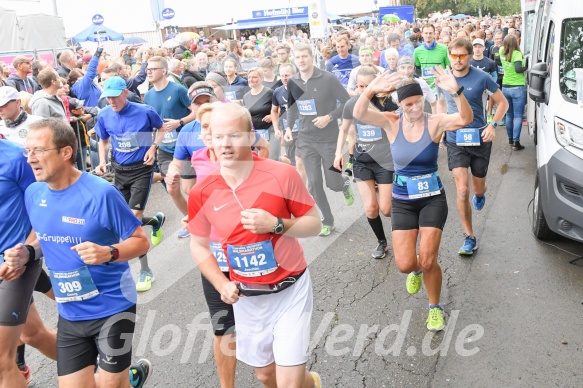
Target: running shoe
column 326, row 230
column 27, row 374
column 490, row 118
column 348, row 168
column 380, row 251
column 317, row 379
column 414, row 282
column 348, row 194
column 183, row 233
column 140, row 372
column 145, row 281
column 470, row 245
column 479, row 202
column 435, row 320
column 156, row 236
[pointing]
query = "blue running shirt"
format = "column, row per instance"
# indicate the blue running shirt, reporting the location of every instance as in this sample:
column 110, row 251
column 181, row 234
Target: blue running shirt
column 15, row 176
column 93, row 210
column 130, row 130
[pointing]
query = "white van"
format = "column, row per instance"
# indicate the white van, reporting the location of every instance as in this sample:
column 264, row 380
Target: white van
column 554, row 29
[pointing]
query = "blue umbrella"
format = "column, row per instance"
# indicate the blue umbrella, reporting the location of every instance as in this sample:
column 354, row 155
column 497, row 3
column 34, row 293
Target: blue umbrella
column 97, row 33
column 459, row 16
column 364, row 19
column 133, row 41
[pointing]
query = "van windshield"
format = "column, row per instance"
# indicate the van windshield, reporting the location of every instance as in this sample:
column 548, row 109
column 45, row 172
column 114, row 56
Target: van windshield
column 571, row 56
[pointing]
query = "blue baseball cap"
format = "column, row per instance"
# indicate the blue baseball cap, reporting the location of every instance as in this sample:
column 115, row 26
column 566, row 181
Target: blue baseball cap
column 113, row 87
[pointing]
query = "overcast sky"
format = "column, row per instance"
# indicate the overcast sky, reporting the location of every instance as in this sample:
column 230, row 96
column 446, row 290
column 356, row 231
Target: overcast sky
column 135, row 15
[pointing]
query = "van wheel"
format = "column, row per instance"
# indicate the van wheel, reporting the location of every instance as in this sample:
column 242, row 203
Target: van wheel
column 540, row 228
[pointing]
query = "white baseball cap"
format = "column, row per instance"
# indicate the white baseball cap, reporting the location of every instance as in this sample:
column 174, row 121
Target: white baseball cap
column 8, row 94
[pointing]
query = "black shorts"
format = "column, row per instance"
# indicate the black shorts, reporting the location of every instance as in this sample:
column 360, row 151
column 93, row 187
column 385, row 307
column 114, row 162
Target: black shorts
column 43, row 283
column 164, row 160
column 79, row 343
column 134, row 185
column 222, row 316
column 15, row 296
column 424, row 212
column 476, row 158
column 372, row 171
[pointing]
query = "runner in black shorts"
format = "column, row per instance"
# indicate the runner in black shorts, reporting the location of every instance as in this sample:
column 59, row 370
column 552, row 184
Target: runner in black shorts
column 205, row 163
column 130, row 125
column 87, row 253
column 373, row 162
column 468, row 149
column 19, row 319
column 419, row 206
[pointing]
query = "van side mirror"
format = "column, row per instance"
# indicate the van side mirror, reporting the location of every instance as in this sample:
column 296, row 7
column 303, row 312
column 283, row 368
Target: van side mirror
column 536, row 84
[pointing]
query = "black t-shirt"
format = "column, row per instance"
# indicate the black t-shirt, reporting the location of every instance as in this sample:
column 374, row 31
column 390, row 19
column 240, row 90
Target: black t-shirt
column 259, row 106
column 371, row 151
column 272, row 84
column 484, row 64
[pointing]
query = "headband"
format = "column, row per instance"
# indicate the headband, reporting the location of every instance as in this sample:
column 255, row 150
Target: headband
column 409, row 90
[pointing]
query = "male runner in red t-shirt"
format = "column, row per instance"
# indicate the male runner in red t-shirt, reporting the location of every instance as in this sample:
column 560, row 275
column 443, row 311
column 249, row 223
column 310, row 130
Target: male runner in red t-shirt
column 258, row 208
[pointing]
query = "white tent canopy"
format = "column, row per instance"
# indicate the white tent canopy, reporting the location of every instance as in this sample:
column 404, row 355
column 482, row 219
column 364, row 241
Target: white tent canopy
column 30, row 32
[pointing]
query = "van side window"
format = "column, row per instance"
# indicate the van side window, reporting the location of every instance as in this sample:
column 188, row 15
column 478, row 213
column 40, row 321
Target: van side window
column 550, row 47
column 571, row 56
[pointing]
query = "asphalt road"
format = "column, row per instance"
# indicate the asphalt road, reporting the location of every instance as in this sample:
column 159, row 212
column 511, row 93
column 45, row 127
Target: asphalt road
column 514, row 308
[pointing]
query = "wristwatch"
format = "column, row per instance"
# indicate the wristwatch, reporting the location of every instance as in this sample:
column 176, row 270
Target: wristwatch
column 494, row 124
column 114, row 253
column 459, row 91
column 181, row 122
column 331, row 117
column 156, row 145
column 278, row 228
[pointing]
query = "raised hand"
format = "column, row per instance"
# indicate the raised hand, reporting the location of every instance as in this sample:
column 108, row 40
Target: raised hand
column 386, row 82
column 445, row 79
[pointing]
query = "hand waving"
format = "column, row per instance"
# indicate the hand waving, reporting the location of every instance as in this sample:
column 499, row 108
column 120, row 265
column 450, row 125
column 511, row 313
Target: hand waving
column 386, row 82
column 445, row 79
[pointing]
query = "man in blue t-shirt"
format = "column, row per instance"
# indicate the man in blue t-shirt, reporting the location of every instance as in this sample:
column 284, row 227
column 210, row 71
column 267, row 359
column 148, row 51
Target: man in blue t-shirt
column 171, row 102
column 470, row 147
column 342, row 64
column 87, row 234
column 180, row 176
column 130, row 126
column 482, row 62
column 17, row 278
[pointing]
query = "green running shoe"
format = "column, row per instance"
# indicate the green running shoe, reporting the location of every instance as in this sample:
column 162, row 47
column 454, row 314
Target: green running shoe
column 156, row 235
column 145, row 281
column 317, row 379
column 348, row 194
column 414, row 282
column 326, row 230
column 435, row 321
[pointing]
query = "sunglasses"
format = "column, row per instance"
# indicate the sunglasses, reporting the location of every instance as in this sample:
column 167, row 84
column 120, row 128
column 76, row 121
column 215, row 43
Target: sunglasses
column 461, row 57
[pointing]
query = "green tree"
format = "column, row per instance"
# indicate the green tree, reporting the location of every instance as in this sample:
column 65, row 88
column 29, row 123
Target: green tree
column 471, row 7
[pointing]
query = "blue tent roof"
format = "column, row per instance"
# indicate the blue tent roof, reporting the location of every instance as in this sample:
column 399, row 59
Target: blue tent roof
column 269, row 22
column 97, row 33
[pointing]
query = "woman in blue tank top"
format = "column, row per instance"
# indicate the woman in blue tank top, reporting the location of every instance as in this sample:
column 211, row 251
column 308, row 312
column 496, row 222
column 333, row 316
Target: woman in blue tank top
column 419, row 202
